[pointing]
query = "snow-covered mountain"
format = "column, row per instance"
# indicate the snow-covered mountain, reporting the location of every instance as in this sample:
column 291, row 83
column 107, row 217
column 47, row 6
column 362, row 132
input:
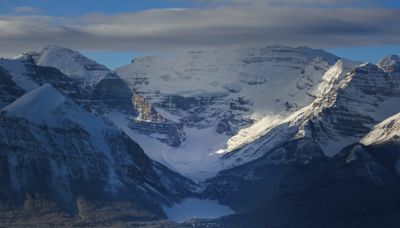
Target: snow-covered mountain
column 221, row 88
column 310, row 95
column 108, row 94
column 323, row 160
column 225, row 97
column 61, row 140
column 347, row 107
column 56, row 153
column 272, row 128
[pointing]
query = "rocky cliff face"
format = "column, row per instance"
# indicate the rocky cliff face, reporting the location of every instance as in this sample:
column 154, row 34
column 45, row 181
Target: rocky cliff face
column 57, row 158
column 112, row 94
column 221, row 88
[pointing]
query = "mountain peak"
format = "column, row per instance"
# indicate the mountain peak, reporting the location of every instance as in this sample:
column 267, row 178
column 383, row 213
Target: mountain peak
column 72, row 63
column 390, row 63
column 36, row 104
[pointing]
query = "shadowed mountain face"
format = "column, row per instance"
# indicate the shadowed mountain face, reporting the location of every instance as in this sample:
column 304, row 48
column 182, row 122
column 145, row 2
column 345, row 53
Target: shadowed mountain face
column 356, row 188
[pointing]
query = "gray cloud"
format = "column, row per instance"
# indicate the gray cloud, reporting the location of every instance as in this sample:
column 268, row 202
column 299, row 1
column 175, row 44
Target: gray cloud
column 170, row 29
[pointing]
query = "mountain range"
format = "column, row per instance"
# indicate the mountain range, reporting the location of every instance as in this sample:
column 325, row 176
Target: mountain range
column 286, row 137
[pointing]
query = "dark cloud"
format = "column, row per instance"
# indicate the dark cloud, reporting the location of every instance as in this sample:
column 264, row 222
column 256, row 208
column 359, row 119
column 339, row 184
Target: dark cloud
column 170, row 29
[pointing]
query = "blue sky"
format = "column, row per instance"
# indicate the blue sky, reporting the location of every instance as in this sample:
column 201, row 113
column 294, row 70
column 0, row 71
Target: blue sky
column 114, row 31
column 79, row 7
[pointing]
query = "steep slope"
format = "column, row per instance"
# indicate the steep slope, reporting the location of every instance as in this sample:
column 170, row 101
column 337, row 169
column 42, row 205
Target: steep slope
column 342, row 114
column 330, row 82
column 61, row 162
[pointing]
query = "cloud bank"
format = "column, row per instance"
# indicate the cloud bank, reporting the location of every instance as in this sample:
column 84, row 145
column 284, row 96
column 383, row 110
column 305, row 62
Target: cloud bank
column 227, row 24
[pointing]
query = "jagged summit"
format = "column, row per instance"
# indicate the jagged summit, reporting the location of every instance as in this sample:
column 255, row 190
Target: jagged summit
column 390, row 63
